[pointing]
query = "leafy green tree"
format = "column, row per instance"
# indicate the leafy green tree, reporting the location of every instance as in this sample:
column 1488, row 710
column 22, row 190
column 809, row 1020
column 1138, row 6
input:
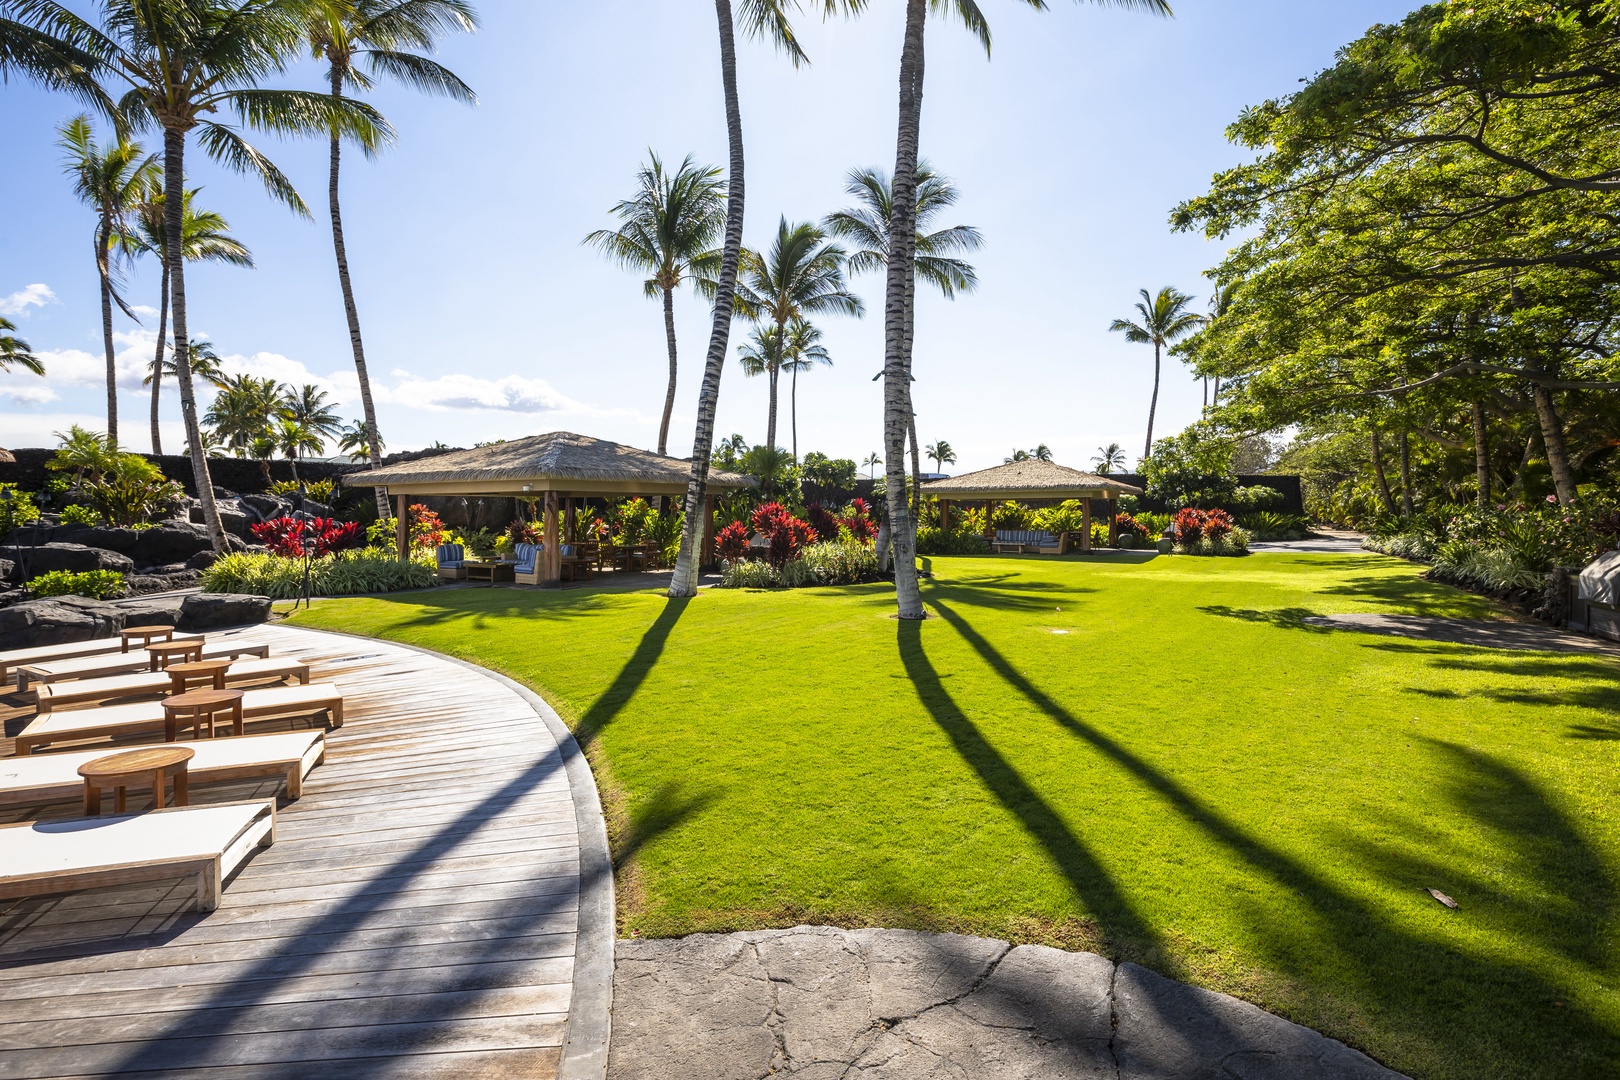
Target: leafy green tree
column 112, row 180
column 14, row 350
column 668, row 230
column 761, row 355
column 293, row 439
column 1164, row 320
column 941, row 454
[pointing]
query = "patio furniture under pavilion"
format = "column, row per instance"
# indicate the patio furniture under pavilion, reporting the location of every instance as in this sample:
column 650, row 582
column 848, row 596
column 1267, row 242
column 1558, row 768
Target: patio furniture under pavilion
column 1033, row 480
column 559, row 468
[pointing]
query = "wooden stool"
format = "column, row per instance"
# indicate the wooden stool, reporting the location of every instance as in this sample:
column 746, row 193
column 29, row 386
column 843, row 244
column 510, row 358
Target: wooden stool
column 195, row 708
column 158, row 763
column 145, row 633
column 183, row 675
column 163, row 653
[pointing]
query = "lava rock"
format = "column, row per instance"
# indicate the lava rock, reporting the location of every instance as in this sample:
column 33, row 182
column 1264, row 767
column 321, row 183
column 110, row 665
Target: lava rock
column 7, row 569
column 264, row 507
column 56, row 620
column 210, row 611
column 316, row 509
column 171, row 542
column 141, row 584
column 200, row 561
column 162, row 611
column 64, row 556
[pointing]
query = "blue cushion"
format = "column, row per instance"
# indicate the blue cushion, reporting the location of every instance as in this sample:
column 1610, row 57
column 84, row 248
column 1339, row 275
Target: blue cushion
column 567, row 550
column 450, row 555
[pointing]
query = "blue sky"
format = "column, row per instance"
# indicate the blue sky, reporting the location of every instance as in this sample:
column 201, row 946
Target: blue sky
column 485, row 317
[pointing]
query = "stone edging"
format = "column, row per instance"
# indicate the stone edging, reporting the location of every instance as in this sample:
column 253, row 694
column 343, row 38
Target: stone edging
column 590, row 1008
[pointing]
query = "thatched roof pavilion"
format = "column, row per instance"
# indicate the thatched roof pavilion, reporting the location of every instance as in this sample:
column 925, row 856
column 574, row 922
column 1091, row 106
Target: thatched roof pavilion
column 1029, row 481
column 557, row 467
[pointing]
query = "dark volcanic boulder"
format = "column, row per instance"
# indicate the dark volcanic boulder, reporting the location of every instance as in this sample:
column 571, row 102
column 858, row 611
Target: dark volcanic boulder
column 210, row 611
column 233, row 521
column 141, row 584
column 59, row 556
column 171, row 542
column 316, row 509
column 201, row 561
column 57, row 619
column 264, row 507
column 164, row 611
column 106, row 537
column 7, row 569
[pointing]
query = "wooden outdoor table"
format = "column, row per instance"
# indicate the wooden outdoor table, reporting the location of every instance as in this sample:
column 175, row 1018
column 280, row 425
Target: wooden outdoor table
column 156, row 764
column 492, row 572
column 183, row 675
column 194, row 708
column 164, row 653
column 145, row 633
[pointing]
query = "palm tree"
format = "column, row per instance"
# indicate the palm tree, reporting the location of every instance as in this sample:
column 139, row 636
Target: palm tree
column 759, row 17
column 1109, row 458
column 1017, row 455
column 14, row 350
column 1041, row 453
column 802, row 275
column 941, row 454
column 1220, row 302
column 897, row 328
column 388, row 36
column 873, row 460
column 204, row 237
column 244, row 410
column 762, row 355
column 204, row 365
column 667, row 230
column 112, row 180
column 308, row 406
column 801, row 351
column 1164, row 321
column 292, row 438
column 184, row 62
column 355, row 440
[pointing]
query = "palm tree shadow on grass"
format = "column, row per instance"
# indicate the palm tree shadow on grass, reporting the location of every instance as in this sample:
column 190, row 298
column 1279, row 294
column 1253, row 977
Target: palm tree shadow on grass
column 630, row 677
column 1400, row 974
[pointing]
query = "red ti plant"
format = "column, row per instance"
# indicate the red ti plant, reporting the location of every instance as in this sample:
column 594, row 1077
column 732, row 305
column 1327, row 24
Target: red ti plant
column 1130, row 524
column 858, row 520
column 427, row 528
column 822, row 520
column 785, row 534
column 300, row 539
column 732, row 541
column 1189, row 523
column 1217, row 523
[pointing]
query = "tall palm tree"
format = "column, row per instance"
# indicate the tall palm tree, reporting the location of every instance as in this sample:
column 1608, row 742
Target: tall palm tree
column 802, row 275
column 941, row 454
column 14, row 350
column 308, row 406
column 801, row 350
column 760, row 355
column 766, row 18
column 293, row 438
column 245, row 409
column 873, row 460
column 1109, row 459
column 897, row 313
column 204, row 237
column 361, row 40
column 1041, row 452
column 181, row 64
column 112, row 180
column 1220, row 302
column 1164, row 321
column 667, row 230
column 355, row 440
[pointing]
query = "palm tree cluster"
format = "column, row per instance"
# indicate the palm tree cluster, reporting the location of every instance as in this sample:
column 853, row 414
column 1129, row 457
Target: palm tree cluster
column 255, row 417
column 184, row 69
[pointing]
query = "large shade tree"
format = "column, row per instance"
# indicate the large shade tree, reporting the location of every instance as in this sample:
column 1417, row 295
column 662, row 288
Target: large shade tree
column 178, row 66
column 1162, row 320
column 362, row 41
column 667, row 230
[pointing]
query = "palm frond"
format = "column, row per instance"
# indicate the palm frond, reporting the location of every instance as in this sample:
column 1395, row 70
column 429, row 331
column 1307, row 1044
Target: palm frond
column 231, row 150
column 421, row 74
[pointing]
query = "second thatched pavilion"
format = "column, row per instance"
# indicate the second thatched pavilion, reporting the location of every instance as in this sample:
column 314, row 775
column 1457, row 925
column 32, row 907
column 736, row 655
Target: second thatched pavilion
column 1031, row 481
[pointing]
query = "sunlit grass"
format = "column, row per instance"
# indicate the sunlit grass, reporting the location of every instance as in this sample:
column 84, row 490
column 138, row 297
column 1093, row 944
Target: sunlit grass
column 1152, row 758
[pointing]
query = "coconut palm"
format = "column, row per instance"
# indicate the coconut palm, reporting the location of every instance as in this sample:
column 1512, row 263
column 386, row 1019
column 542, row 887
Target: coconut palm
column 308, row 406
column 204, row 365
column 112, row 180
column 801, row 351
column 204, row 237
column 941, row 454
column 355, row 440
column 361, row 41
column 897, row 328
column 760, row 355
column 872, row 461
column 1109, row 459
column 802, row 275
column 1164, row 320
column 245, row 409
column 293, row 439
column 181, row 65
column 14, row 350
column 667, row 230
column 760, row 18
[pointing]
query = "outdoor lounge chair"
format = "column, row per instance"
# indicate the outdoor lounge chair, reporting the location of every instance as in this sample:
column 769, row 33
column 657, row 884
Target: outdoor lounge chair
column 529, row 568
column 55, row 695
column 119, row 663
column 38, row 858
column 1027, row 541
column 113, row 721
column 292, row 754
column 452, row 562
column 44, row 654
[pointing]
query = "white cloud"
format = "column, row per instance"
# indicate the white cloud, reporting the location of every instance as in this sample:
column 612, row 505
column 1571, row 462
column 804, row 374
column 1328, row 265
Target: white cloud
column 513, row 393
column 19, row 302
column 31, row 392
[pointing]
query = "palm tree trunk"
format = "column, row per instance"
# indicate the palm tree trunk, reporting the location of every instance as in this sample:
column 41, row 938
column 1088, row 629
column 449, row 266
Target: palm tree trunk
column 157, row 361
column 669, row 395
column 683, row 582
column 174, row 183
column 373, row 442
column 1552, row 440
column 916, row 477
column 770, row 424
column 1482, row 457
column 1384, row 494
column 793, row 413
column 1153, row 405
column 103, row 238
column 896, row 370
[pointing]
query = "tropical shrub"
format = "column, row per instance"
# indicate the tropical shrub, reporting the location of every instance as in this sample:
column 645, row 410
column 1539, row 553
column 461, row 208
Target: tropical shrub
column 313, row 538
column 1234, row 541
column 732, row 541
column 96, row 584
column 1208, row 532
column 1270, row 525
column 524, row 532
column 1066, row 517
column 1244, row 500
column 933, row 541
column 129, row 490
column 1012, row 517
column 859, row 520
column 1135, row 526
column 831, row 563
column 427, row 528
column 748, row 574
column 16, row 508
column 80, row 515
column 785, row 535
column 319, row 490
column 824, row 521
column 1156, row 523
column 280, row 577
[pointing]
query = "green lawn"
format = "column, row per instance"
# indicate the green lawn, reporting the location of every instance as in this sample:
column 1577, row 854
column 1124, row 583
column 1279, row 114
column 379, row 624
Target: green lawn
column 1154, row 758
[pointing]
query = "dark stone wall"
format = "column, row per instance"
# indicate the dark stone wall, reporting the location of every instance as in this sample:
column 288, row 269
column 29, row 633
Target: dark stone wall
column 234, row 474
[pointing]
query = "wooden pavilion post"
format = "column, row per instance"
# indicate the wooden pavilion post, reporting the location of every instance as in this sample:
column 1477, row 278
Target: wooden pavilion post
column 1113, row 522
column 553, row 552
column 402, row 530
column 1085, row 526
column 989, row 520
column 944, row 516
column 569, row 523
column 707, row 561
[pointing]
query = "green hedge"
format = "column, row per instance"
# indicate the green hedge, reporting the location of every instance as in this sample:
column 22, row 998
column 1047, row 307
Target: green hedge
column 347, row 573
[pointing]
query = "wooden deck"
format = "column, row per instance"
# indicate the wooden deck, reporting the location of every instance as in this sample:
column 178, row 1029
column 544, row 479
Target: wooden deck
column 416, row 916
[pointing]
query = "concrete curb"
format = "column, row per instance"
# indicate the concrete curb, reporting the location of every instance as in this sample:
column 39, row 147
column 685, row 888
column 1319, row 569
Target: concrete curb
column 590, row 1009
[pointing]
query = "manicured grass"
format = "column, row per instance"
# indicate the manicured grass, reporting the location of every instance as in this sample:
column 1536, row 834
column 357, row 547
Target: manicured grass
column 1152, row 758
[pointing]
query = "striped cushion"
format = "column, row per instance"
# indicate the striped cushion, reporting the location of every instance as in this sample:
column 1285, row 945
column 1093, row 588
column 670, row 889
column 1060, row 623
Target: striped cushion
column 526, row 555
column 450, row 556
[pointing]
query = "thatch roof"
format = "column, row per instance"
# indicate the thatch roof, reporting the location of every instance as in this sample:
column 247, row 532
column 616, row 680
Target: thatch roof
column 6, row 457
column 557, row 461
column 1032, row 479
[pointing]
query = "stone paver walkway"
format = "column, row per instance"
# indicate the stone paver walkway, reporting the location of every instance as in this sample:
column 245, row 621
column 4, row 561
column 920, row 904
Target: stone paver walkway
column 819, row 1003
column 1536, row 637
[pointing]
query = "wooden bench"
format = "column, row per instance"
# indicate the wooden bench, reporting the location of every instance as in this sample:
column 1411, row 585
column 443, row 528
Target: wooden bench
column 293, row 754
column 42, row 654
column 210, row 842
column 53, row 696
column 120, row 663
column 144, row 717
